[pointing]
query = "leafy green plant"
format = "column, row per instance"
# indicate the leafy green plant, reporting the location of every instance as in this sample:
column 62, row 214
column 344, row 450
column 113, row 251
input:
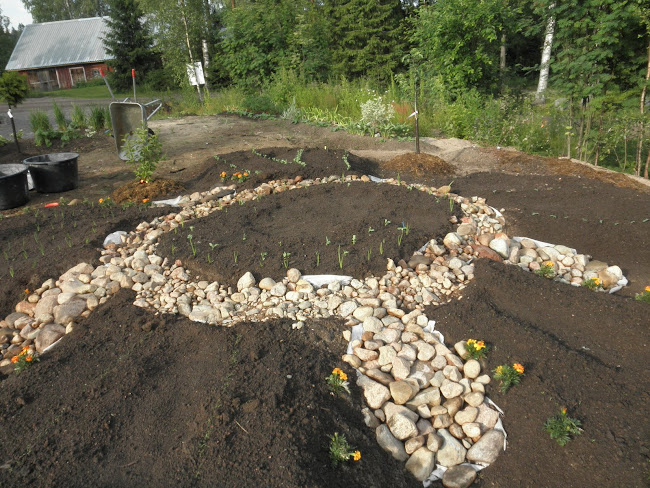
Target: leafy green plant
column 509, row 375
column 337, row 382
column 298, row 159
column 190, row 238
column 263, row 256
column 340, row 450
column 476, row 349
column 285, row 259
column 143, row 150
column 593, row 284
column 644, row 296
column 59, row 116
column 561, row 427
column 547, row 270
column 24, row 360
column 341, row 255
column 97, row 118
column 79, row 119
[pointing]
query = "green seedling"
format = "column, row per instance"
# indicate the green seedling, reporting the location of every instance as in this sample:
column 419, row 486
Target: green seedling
column 370, row 230
column 317, row 259
column 235, row 255
column 327, row 241
column 381, row 247
column 354, row 239
column 341, row 255
column 285, row 259
column 263, row 256
column 191, row 239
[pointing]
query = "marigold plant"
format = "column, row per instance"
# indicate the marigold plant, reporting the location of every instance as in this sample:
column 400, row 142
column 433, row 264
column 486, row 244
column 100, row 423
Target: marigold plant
column 644, row 296
column 24, row 360
column 547, row 270
column 340, row 450
column 509, row 375
column 476, row 349
column 593, row 284
column 561, row 427
column 337, row 382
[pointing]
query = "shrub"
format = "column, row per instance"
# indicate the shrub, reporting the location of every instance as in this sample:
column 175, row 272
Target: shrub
column 260, row 104
column 79, row 119
column 143, row 150
column 59, row 116
column 97, row 118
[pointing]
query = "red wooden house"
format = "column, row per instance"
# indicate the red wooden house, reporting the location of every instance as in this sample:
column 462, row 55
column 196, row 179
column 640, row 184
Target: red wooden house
column 60, row 54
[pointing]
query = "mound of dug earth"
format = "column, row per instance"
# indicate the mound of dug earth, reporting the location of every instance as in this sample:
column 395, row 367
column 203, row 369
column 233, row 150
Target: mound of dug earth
column 133, row 399
column 421, row 165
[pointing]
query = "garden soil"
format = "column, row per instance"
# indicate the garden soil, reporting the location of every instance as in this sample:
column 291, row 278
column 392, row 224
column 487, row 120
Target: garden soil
column 136, row 399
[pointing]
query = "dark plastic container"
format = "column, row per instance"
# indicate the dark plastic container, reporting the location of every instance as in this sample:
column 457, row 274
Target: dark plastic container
column 54, row 173
column 13, row 186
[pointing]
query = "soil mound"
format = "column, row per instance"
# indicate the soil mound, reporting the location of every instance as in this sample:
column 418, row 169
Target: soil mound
column 137, row 192
column 135, row 399
column 421, row 165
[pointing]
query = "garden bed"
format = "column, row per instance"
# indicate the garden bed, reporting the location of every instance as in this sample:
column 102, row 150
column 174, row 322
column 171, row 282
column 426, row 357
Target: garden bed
column 131, row 397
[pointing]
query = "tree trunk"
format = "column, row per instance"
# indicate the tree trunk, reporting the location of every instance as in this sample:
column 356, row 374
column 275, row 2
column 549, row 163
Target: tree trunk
column 189, row 46
column 13, row 127
column 206, row 63
column 546, row 57
column 502, row 57
column 639, row 146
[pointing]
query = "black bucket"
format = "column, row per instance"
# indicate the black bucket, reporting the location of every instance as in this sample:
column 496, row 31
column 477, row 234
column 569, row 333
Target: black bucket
column 13, row 186
column 54, row 173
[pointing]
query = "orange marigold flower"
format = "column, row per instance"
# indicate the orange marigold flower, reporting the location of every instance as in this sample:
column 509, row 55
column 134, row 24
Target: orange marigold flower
column 14, row 359
column 518, row 368
column 223, row 174
column 145, row 200
column 26, row 348
column 26, row 291
column 564, row 411
column 480, row 345
column 337, row 371
column 356, row 456
column 245, row 173
column 647, row 288
column 548, row 263
column 101, row 200
column 29, row 359
column 343, row 376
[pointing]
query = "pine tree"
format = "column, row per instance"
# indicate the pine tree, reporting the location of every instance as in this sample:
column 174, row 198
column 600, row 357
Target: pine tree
column 128, row 41
column 368, row 37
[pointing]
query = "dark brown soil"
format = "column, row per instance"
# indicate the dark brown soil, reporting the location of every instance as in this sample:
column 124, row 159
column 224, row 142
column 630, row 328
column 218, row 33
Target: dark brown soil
column 131, row 399
column 334, row 228
column 419, row 165
column 137, row 192
column 162, row 401
column 582, row 351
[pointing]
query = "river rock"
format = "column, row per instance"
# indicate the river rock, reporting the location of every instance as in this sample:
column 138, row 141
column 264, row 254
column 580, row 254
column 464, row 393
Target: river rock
column 402, row 427
column 452, row 451
column 421, row 463
column 487, row 449
column 389, row 443
column 461, row 476
column 69, row 311
column 500, row 246
column 375, row 393
column 246, row 281
column 401, row 391
column 50, row 333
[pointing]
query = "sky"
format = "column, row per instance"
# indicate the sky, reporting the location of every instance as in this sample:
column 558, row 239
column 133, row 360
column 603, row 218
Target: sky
column 15, row 10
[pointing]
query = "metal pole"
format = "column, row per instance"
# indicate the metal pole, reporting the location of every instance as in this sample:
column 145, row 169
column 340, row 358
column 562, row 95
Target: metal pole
column 135, row 98
column 101, row 72
column 13, row 127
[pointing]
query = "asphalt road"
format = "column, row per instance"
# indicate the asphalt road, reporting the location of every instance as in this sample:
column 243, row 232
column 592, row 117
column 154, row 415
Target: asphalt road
column 21, row 113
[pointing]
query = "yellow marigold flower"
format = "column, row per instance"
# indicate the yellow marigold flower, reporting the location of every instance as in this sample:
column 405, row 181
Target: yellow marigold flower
column 596, row 281
column 343, row 376
column 480, row 345
column 101, row 200
column 14, row 359
column 499, row 370
column 518, row 368
column 337, row 371
column 29, row 359
column 471, row 341
column 25, row 349
column 356, row 456
column 647, row 288
column 223, row 174
column 548, row 263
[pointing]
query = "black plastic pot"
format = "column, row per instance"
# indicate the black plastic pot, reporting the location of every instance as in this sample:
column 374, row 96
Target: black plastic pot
column 13, row 186
column 54, row 173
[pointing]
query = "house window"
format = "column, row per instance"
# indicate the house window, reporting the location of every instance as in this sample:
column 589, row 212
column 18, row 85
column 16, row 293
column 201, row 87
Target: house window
column 95, row 73
column 78, row 75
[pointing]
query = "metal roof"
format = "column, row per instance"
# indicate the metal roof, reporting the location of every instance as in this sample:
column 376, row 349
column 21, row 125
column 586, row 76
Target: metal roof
column 66, row 42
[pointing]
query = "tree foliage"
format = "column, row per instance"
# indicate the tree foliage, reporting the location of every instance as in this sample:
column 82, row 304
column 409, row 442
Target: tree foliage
column 8, row 39
column 13, row 88
column 368, row 37
column 129, row 42
column 51, row 10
